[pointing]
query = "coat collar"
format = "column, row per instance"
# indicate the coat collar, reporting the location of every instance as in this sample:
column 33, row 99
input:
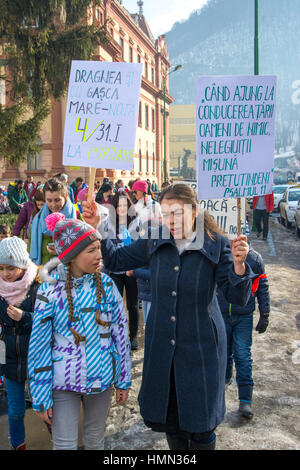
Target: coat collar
column 208, row 247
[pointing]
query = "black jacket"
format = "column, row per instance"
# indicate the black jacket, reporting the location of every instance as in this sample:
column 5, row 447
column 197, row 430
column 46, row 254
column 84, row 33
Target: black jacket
column 16, row 336
column 256, row 263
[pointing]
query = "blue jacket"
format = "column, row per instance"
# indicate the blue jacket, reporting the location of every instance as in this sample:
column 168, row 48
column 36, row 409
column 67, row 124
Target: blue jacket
column 184, row 326
column 16, row 336
column 254, row 260
column 143, row 282
column 55, row 362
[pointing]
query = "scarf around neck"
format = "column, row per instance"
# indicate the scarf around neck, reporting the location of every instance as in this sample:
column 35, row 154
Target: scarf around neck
column 39, row 228
column 15, row 292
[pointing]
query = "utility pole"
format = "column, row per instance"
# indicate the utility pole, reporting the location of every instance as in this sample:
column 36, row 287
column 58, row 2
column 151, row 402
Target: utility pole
column 256, row 69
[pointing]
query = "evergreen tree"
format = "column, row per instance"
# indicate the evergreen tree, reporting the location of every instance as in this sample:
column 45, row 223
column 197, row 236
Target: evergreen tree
column 39, row 39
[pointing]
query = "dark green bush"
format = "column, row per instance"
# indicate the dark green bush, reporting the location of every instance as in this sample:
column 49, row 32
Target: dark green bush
column 8, row 219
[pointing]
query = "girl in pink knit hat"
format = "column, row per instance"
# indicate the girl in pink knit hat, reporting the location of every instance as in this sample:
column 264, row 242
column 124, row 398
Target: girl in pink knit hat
column 146, row 208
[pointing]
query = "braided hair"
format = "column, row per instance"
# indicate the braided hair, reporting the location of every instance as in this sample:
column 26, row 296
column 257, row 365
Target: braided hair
column 99, row 294
column 78, row 337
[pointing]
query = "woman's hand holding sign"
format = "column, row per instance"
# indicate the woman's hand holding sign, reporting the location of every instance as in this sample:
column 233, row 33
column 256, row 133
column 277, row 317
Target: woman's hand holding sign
column 91, row 213
column 240, row 250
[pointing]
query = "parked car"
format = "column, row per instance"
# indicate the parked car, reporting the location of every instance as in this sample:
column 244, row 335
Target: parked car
column 297, row 219
column 288, row 206
column 278, row 191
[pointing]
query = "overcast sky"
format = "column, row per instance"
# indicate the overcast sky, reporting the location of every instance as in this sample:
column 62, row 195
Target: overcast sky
column 162, row 14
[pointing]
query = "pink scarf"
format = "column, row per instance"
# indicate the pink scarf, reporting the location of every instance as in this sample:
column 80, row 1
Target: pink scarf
column 15, row 292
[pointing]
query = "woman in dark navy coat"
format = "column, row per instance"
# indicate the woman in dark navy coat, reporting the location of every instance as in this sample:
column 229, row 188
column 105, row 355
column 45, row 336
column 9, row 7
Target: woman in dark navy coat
column 183, row 384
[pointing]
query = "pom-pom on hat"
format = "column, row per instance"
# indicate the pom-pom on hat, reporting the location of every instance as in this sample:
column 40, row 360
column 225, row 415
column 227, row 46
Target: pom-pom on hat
column 83, row 195
column 70, row 236
column 52, row 220
column 140, row 186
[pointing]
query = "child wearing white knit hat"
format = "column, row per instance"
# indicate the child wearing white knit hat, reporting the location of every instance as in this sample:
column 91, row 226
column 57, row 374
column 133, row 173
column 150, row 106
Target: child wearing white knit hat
column 18, row 288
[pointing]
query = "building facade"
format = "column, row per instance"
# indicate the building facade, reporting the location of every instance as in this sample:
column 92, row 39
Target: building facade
column 183, row 140
column 130, row 40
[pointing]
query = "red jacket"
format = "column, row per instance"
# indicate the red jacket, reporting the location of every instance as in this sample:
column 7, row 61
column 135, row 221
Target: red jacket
column 34, row 186
column 269, row 198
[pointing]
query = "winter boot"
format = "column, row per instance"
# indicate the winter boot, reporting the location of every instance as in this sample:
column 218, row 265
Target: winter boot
column 177, row 442
column 245, row 409
column 20, row 447
column 194, row 445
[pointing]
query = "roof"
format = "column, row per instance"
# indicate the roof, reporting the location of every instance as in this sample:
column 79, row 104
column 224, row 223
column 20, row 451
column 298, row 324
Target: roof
column 141, row 22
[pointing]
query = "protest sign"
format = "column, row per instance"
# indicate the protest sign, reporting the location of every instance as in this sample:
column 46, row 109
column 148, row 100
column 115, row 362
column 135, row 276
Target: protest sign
column 226, row 215
column 235, row 136
column 191, row 183
column 102, row 114
column 224, row 211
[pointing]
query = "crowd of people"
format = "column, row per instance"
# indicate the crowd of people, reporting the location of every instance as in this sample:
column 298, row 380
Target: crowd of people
column 67, row 271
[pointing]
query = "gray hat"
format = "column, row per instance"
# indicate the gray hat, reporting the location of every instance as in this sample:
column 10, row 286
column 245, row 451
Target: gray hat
column 13, row 251
column 70, row 236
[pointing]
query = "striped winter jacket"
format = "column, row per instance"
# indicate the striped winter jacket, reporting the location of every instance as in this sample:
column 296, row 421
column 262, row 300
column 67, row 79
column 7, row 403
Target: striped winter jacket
column 55, row 362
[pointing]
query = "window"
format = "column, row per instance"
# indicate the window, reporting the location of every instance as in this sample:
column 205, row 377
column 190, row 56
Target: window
column 140, row 160
column 147, row 116
column 146, row 70
column 34, row 23
column 279, row 190
column 153, row 158
column 147, row 158
column 294, row 195
column 139, row 58
column 112, row 32
column 34, row 160
column 130, row 54
column 153, row 120
column 152, row 75
column 140, row 114
column 122, row 47
column 99, row 16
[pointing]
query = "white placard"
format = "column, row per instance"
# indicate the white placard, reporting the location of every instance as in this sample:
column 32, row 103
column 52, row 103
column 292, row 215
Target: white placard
column 102, row 114
column 225, row 213
column 235, row 122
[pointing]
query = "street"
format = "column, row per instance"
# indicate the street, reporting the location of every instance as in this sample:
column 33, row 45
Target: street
column 276, row 370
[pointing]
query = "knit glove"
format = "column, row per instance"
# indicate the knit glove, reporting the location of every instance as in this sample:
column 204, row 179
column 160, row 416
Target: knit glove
column 263, row 322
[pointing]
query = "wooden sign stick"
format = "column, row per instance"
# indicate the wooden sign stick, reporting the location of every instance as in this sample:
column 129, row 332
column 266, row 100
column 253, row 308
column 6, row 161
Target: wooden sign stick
column 238, row 216
column 92, row 178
